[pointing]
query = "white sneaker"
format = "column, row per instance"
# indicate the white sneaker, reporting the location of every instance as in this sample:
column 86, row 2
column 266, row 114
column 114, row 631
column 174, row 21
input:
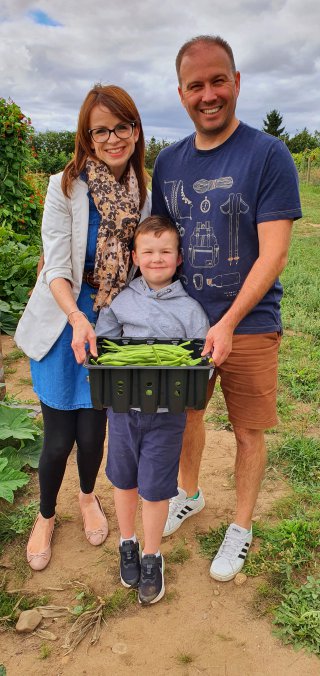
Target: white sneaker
column 180, row 508
column 232, row 553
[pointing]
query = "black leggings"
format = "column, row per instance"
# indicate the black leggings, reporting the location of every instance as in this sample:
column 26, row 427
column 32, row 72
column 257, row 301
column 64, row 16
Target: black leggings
column 84, row 426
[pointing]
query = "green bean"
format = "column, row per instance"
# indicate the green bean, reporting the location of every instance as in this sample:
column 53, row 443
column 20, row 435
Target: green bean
column 146, row 354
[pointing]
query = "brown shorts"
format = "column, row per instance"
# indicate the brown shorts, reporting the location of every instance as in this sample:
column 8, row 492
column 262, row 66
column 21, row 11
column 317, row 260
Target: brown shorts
column 249, row 380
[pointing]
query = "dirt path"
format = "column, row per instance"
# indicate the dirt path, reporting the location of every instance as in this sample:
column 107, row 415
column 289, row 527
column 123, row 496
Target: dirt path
column 216, row 624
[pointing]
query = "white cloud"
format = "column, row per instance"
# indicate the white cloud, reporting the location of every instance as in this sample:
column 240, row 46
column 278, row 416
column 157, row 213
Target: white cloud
column 48, row 70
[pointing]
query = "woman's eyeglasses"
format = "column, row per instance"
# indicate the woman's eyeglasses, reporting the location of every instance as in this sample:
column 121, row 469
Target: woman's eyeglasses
column 122, row 130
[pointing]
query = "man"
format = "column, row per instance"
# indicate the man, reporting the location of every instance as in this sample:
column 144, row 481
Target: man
column 233, row 193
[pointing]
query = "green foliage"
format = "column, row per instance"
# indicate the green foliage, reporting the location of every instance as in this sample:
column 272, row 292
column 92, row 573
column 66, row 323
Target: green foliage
column 299, row 458
column 118, row 601
column 211, row 541
column 299, row 367
column 298, row 617
column 20, row 211
column 10, row 602
column 18, row 521
column 179, row 553
column 284, row 548
column 18, row 271
column 20, row 208
column 85, row 600
column 15, row 423
column 272, row 123
column 153, row 148
column 45, row 651
column 301, row 283
column 303, row 140
column 20, row 445
column 10, row 480
column 54, row 149
column 185, row 658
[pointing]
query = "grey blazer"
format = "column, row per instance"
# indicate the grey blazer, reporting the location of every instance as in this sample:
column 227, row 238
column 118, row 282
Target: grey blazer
column 64, row 236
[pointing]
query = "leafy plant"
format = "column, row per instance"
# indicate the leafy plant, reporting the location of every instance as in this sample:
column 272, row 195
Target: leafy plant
column 23, row 439
column 18, row 265
column 18, row 521
column 298, row 616
column 20, row 207
column 16, row 423
column 284, row 548
column 10, row 480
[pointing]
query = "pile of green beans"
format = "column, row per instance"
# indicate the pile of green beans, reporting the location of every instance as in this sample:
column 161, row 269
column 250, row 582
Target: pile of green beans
column 146, row 355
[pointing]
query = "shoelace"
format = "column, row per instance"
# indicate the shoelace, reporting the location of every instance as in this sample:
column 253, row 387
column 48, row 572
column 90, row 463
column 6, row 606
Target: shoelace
column 176, row 505
column 129, row 554
column 230, row 545
column 148, row 569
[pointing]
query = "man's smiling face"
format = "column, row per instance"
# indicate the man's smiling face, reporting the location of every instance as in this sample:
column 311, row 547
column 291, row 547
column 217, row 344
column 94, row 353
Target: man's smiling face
column 209, row 89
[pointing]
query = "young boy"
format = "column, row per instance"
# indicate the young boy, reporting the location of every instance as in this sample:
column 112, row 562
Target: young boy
column 143, row 449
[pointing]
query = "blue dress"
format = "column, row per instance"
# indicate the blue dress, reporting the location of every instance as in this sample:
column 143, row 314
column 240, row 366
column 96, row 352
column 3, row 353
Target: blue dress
column 57, row 379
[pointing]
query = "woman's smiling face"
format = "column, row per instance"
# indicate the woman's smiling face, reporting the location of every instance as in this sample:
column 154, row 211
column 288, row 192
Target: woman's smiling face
column 114, row 152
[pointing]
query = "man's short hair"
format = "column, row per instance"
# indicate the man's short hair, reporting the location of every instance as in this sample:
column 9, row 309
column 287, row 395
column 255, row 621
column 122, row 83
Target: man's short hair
column 157, row 225
column 210, row 40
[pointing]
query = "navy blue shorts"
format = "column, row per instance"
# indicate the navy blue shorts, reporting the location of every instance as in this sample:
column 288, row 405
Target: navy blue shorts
column 144, row 452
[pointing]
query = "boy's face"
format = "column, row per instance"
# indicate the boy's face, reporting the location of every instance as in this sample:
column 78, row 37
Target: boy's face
column 157, row 258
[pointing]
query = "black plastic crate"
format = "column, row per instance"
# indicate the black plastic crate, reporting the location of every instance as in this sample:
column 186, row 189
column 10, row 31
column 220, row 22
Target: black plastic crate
column 149, row 387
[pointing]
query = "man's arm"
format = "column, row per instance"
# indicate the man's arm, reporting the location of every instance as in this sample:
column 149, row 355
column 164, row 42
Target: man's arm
column 274, row 241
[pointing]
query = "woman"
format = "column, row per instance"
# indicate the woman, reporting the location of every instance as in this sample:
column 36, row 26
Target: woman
column 91, row 212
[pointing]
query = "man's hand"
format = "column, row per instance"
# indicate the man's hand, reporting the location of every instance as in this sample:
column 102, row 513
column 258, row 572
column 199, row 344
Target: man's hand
column 83, row 333
column 218, row 342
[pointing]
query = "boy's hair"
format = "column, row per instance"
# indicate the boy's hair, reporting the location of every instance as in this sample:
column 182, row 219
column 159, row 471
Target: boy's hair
column 157, row 225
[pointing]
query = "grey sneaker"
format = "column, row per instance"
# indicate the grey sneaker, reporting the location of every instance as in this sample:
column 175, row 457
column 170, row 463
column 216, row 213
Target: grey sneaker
column 232, row 554
column 151, row 586
column 180, row 508
column 130, row 555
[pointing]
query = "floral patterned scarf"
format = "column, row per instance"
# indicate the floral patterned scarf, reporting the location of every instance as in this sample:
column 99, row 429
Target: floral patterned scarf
column 118, row 206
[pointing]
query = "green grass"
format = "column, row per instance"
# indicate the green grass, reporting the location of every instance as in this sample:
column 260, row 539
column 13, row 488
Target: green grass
column 299, row 367
column 298, row 617
column 301, row 279
column 185, row 658
column 310, row 198
column 18, row 521
column 13, row 356
column 179, row 553
column 119, row 601
column 299, row 458
column 11, row 603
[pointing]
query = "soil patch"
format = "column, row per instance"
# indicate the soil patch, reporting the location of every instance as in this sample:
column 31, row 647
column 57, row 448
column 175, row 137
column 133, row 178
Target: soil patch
column 213, row 625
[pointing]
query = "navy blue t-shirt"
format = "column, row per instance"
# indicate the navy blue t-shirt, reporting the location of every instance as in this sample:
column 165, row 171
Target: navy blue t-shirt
column 216, row 198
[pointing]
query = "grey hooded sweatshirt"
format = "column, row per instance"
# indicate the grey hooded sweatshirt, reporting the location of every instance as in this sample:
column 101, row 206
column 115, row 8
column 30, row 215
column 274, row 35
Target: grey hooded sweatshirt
column 144, row 313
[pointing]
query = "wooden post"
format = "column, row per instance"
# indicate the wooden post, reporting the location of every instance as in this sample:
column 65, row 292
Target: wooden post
column 308, row 169
column 2, row 383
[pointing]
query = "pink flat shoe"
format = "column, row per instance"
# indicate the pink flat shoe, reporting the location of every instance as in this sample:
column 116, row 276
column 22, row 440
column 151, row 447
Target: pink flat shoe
column 98, row 536
column 39, row 560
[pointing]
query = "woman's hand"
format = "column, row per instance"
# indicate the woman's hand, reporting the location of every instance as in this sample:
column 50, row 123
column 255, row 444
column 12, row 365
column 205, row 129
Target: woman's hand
column 83, row 333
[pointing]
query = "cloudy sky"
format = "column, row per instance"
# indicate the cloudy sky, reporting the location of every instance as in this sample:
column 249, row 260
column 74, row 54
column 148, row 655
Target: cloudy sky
column 52, row 51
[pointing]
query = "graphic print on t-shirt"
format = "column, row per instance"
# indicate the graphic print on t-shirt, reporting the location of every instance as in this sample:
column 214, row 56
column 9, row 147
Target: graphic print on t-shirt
column 203, row 251
column 178, row 204
column 204, row 185
column 233, row 207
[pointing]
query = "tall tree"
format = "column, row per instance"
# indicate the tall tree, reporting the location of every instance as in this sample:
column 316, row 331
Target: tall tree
column 272, row 123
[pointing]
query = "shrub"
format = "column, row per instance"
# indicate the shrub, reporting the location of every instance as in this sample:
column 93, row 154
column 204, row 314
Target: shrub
column 20, row 205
